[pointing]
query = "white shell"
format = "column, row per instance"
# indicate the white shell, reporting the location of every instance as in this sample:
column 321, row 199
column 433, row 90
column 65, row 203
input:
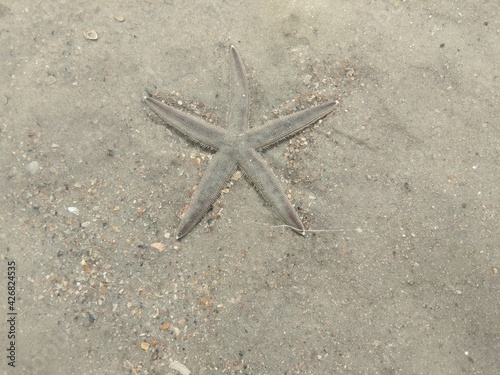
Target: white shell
column 74, row 210
column 179, row 367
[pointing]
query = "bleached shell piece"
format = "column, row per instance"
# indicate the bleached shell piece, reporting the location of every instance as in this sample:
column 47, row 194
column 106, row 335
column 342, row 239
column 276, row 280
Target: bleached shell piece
column 90, row 34
column 74, row 210
column 175, row 365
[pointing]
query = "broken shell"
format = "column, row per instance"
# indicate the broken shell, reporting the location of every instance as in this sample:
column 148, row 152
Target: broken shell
column 174, row 365
column 118, row 17
column 236, row 176
column 158, row 246
column 50, row 80
column 90, row 34
column 74, row 210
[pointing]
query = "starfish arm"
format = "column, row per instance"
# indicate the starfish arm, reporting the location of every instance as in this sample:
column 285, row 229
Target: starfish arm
column 237, row 117
column 215, row 177
column 193, row 127
column 261, row 176
column 283, row 127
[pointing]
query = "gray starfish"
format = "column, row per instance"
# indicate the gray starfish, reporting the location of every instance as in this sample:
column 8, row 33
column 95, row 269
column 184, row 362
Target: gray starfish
column 237, row 148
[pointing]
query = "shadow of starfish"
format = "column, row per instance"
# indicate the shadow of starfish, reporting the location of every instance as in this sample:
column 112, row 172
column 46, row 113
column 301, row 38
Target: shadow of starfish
column 237, row 148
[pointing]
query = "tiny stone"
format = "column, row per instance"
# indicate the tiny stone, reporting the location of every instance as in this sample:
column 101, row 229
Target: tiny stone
column 33, row 167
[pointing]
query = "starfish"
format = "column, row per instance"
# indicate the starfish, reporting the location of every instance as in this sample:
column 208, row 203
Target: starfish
column 237, row 147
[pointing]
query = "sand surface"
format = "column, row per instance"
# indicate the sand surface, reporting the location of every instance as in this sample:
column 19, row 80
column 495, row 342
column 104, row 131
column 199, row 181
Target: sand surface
column 404, row 176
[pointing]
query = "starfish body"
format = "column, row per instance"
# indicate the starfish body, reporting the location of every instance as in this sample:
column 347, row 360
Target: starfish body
column 237, row 147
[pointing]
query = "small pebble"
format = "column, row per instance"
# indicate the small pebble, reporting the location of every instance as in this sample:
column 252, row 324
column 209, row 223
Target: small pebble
column 33, row 167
